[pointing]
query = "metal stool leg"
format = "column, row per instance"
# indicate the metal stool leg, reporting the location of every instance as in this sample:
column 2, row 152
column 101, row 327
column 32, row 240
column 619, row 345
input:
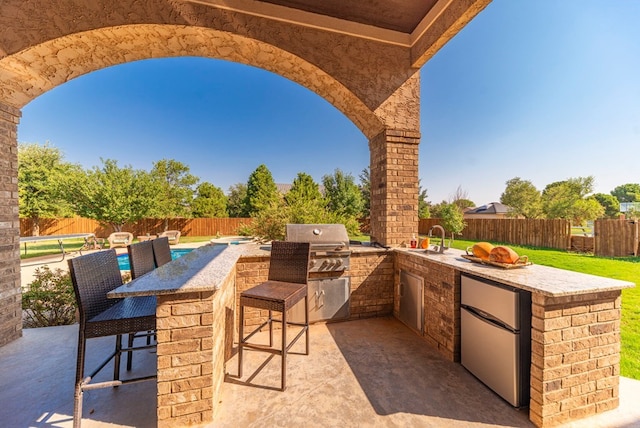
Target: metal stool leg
column 270, row 328
column 306, row 322
column 284, row 351
column 116, row 361
column 241, row 341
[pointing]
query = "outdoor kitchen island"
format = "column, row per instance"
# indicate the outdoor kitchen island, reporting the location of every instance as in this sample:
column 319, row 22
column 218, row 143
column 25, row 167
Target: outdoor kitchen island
column 575, row 323
column 575, row 329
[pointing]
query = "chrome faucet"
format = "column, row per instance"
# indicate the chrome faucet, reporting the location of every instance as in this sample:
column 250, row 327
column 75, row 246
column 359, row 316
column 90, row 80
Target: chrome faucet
column 442, row 247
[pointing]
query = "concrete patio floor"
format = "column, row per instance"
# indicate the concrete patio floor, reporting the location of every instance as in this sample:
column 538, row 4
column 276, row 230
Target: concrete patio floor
column 372, row 372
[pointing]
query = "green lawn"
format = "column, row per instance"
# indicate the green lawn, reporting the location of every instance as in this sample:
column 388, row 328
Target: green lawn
column 627, row 269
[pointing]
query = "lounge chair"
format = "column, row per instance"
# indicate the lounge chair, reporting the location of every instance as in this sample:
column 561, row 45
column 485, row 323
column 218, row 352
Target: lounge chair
column 120, row 239
column 173, row 235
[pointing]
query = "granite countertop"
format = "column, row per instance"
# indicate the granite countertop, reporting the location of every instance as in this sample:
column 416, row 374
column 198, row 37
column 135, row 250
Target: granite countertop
column 203, row 269
column 535, row 278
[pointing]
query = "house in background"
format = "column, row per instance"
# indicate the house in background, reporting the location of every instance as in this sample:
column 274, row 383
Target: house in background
column 490, row 210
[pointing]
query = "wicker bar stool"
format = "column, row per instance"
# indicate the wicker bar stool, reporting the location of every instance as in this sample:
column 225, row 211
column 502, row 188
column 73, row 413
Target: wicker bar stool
column 93, row 276
column 141, row 258
column 161, row 251
column 286, row 286
column 141, row 261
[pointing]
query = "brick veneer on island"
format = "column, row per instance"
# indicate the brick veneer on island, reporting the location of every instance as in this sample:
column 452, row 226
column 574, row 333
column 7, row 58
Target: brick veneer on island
column 575, row 361
column 575, row 336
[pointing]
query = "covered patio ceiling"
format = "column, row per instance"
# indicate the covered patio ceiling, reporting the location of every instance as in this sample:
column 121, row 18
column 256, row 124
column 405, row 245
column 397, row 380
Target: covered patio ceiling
column 416, row 24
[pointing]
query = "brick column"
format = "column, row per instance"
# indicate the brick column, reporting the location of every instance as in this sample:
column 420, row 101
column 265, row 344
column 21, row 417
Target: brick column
column 394, row 186
column 195, row 339
column 10, row 293
column 575, row 358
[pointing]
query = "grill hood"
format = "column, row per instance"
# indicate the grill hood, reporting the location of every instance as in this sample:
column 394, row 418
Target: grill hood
column 319, row 235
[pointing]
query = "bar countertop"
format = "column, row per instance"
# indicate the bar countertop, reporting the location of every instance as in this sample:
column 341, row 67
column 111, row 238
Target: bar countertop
column 203, row 269
column 539, row 279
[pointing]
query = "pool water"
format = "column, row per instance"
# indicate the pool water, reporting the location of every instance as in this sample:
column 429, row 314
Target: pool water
column 123, row 259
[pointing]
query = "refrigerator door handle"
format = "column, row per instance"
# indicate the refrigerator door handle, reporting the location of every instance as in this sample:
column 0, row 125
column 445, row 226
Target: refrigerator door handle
column 483, row 316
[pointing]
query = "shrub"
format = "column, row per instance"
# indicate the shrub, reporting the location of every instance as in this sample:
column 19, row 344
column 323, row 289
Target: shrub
column 50, row 299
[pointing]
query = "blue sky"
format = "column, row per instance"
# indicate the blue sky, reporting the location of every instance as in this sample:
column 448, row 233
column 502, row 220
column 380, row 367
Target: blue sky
column 544, row 90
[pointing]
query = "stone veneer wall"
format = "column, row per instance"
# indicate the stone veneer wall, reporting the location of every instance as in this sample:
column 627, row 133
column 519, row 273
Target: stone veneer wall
column 10, row 295
column 575, row 360
column 195, row 335
column 371, row 284
column 441, row 302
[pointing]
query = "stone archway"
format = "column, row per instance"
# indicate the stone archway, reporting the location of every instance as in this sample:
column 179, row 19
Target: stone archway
column 363, row 58
column 40, row 68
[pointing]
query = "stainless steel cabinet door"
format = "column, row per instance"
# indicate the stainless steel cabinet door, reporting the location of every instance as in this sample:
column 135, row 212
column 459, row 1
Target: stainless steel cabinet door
column 411, row 301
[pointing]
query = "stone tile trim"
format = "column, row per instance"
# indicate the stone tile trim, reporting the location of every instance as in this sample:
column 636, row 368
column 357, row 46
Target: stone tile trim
column 195, row 339
column 10, row 292
column 575, row 360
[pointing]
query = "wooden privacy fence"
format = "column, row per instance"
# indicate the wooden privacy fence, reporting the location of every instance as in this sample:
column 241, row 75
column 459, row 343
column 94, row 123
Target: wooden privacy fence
column 531, row 232
column 186, row 226
column 616, row 238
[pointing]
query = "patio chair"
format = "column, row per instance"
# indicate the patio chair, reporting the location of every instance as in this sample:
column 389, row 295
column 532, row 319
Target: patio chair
column 286, row 286
column 141, row 258
column 120, row 239
column 93, row 276
column 173, row 235
column 161, row 251
column 141, row 261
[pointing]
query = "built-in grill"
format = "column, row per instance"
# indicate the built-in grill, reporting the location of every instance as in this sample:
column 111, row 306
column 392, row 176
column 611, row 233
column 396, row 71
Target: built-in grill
column 329, row 245
column 329, row 287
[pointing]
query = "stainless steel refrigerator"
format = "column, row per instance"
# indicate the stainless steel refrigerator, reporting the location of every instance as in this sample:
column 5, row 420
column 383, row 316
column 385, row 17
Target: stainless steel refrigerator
column 495, row 329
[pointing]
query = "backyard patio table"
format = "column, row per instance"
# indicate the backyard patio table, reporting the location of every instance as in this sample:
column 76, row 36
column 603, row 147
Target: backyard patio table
column 58, row 238
column 195, row 296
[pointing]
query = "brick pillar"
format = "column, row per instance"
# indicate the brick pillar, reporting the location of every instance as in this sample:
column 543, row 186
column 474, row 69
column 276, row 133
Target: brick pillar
column 10, row 293
column 575, row 358
column 394, row 186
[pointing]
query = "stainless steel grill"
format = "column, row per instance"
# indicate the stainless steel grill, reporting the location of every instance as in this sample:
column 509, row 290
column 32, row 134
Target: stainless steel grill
column 329, row 245
column 329, row 288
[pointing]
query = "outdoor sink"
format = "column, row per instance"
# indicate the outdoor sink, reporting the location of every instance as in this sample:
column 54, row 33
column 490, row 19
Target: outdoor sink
column 436, row 250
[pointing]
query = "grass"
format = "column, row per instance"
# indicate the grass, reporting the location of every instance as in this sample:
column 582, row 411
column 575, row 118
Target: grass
column 625, row 268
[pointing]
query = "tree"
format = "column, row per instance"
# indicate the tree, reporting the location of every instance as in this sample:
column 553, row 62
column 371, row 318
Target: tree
column 523, row 198
column 209, row 202
column 586, row 209
column 305, row 203
column 262, row 193
column 41, row 173
column 561, row 199
column 112, row 195
column 610, row 204
column 174, row 187
column 629, row 192
column 343, row 195
column 423, row 205
column 303, row 189
column 236, row 201
column 461, row 199
column 365, row 191
column 452, row 219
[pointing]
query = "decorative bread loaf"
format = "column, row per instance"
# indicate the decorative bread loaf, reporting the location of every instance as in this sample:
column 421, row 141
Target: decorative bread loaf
column 502, row 254
column 482, row 250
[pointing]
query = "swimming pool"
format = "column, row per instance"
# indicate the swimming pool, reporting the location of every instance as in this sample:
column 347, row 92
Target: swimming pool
column 123, row 259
